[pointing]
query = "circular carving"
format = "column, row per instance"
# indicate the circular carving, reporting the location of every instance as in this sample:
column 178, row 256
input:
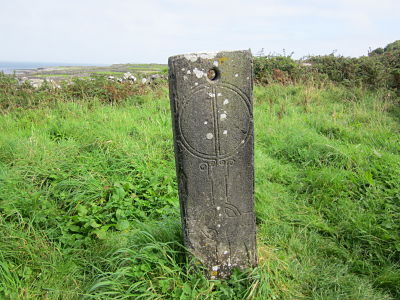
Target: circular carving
column 203, row 166
column 214, row 122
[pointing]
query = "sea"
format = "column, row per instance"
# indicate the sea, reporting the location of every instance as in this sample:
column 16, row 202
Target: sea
column 9, row 67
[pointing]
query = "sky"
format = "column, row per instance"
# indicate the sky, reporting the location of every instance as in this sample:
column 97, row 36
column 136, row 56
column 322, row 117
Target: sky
column 130, row 31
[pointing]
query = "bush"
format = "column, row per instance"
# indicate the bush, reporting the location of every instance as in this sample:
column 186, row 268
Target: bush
column 281, row 69
column 380, row 69
column 364, row 71
column 14, row 94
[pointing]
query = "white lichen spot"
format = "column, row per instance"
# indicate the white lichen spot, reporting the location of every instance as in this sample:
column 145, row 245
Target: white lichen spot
column 218, row 225
column 219, row 215
column 183, row 69
column 198, row 73
column 218, row 207
column 196, row 83
column 219, row 94
column 226, row 101
column 212, row 95
column 225, row 252
column 236, row 75
column 225, row 132
column 209, row 55
column 188, row 72
column 223, row 116
column 242, row 142
column 185, row 77
column 194, row 56
column 215, row 268
column 248, row 78
column 212, row 277
column 215, row 63
column 209, row 136
column 205, row 122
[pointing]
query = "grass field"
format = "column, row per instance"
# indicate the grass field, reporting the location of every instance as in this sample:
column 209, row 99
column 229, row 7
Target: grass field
column 70, row 72
column 89, row 207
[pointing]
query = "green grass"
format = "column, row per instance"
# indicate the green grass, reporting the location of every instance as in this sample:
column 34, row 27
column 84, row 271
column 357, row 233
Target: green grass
column 152, row 66
column 89, row 208
column 118, row 70
column 108, row 73
column 52, row 75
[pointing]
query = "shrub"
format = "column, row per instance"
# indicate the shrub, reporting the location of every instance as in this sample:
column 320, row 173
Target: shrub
column 14, row 94
column 281, row 69
column 363, row 71
column 380, row 69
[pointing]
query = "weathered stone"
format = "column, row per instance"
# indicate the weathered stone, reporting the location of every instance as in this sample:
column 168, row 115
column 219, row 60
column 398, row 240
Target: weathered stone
column 129, row 76
column 211, row 103
column 36, row 83
column 155, row 76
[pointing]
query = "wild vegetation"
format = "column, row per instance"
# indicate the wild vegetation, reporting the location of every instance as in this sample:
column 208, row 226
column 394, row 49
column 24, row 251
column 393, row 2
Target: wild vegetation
column 69, row 72
column 380, row 69
column 89, row 206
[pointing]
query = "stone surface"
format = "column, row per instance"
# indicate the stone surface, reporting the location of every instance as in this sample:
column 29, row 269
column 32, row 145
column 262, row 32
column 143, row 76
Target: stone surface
column 211, row 104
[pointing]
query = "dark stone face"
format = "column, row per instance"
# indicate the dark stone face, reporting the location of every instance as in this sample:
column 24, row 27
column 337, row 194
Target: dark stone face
column 211, row 103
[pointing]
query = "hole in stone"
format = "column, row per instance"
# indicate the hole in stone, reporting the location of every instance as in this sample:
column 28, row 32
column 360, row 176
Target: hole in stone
column 213, row 74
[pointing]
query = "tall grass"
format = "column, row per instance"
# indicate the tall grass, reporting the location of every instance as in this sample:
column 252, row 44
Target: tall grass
column 89, row 208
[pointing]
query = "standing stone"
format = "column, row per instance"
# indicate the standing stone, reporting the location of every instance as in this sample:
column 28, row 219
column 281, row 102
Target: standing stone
column 211, row 104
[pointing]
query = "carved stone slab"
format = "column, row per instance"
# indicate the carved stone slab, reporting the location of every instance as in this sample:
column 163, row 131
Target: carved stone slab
column 211, row 104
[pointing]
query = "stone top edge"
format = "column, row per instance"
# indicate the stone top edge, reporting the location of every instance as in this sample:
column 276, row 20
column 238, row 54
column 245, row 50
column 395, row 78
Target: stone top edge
column 205, row 54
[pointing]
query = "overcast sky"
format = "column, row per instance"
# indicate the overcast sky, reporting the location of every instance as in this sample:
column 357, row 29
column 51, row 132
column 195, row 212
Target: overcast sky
column 122, row 31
